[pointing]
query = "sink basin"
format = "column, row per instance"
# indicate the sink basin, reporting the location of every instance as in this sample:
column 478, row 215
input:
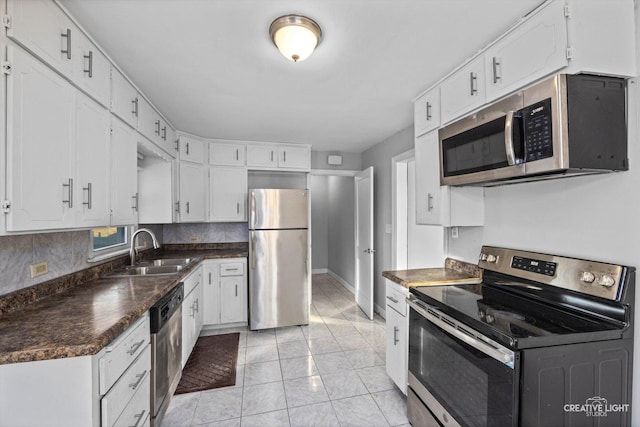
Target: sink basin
column 148, row 270
column 167, row 261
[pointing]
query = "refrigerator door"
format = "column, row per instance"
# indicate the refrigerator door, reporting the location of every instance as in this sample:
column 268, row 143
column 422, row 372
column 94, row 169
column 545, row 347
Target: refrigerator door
column 275, row 209
column 278, row 278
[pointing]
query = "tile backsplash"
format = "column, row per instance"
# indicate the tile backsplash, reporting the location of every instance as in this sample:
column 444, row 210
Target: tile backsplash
column 67, row 251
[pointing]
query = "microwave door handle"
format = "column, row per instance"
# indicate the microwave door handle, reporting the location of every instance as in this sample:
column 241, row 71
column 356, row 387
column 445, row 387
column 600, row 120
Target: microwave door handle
column 508, row 138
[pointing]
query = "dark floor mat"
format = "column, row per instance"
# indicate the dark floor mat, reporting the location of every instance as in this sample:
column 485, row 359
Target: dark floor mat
column 212, row 364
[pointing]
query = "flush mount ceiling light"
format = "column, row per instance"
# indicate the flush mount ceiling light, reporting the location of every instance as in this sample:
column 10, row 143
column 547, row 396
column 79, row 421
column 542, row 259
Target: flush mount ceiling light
column 295, row 36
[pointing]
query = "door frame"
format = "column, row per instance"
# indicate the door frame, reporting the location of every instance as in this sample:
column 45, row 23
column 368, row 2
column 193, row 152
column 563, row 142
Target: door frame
column 399, row 256
column 366, row 173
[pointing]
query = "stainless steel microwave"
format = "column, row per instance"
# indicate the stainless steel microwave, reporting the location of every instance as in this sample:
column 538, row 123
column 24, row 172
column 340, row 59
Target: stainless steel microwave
column 565, row 125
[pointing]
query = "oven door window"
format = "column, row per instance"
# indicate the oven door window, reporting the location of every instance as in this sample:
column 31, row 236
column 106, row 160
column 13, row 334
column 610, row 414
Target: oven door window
column 475, row 389
column 481, row 148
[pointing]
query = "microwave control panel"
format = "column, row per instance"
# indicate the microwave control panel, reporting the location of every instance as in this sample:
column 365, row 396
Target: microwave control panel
column 538, row 139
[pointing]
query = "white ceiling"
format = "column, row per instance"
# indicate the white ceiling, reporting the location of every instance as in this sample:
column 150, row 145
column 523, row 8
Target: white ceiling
column 210, row 66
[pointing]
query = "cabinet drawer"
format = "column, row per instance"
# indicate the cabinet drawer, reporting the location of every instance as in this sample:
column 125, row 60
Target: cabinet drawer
column 114, row 402
column 232, row 269
column 396, row 299
column 121, row 352
column 136, row 413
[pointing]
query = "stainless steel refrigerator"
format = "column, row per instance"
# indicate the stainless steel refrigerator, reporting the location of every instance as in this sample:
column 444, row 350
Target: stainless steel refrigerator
column 279, row 279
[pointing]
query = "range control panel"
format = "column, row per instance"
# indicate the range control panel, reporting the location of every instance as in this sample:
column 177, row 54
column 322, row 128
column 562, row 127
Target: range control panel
column 589, row 277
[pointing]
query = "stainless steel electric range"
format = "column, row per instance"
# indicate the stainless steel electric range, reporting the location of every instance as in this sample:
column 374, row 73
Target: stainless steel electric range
column 544, row 340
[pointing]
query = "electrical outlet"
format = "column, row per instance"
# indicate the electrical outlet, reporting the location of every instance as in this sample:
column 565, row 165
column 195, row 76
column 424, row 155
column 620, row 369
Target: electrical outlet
column 454, row 232
column 194, row 239
column 39, row 269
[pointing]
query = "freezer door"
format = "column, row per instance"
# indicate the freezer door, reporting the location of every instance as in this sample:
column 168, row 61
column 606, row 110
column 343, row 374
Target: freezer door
column 279, row 286
column 274, row 209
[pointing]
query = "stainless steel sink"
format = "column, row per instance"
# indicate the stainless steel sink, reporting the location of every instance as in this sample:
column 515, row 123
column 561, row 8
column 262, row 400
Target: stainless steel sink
column 148, row 270
column 167, row 261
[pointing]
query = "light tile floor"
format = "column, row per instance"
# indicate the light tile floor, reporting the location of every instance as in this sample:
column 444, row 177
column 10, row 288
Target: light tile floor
column 329, row 373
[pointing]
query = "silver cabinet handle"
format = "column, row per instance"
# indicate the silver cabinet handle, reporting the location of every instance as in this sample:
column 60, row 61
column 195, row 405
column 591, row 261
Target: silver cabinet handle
column 135, row 106
column 197, row 302
column 284, row 156
column 90, row 69
column 69, row 200
column 395, row 335
column 135, row 204
column 392, row 299
column 428, row 108
column 272, row 156
column 508, row 138
column 140, row 417
column 237, row 154
column 473, row 83
column 135, row 348
column 236, row 290
column 238, row 208
column 186, row 148
column 496, row 64
column 429, row 202
column 89, row 191
column 67, row 35
column 177, row 145
column 157, row 127
column 187, row 207
column 209, row 278
column 164, row 133
column 140, row 377
column 178, row 207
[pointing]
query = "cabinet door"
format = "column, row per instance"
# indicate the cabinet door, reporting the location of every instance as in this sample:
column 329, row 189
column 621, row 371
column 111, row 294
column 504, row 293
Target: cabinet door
column 294, row 158
column 40, row 131
column 45, row 30
column 464, row 91
column 227, row 194
column 192, row 192
column 124, row 174
column 233, row 299
column 428, row 190
column 92, row 183
column 397, row 348
column 426, row 112
column 149, row 123
column 199, row 308
column 262, row 156
column 226, row 154
column 165, row 140
column 211, row 293
column 191, row 150
column 188, row 326
column 92, row 71
column 533, row 50
column 124, row 99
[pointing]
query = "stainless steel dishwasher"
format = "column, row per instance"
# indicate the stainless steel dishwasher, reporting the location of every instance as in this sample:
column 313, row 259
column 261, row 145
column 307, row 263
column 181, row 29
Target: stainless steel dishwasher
column 166, row 351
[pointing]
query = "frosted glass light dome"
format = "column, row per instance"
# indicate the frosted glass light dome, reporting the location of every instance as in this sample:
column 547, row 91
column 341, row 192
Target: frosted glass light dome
column 295, row 36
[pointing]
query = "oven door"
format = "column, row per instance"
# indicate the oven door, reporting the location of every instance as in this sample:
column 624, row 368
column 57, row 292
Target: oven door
column 462, row 377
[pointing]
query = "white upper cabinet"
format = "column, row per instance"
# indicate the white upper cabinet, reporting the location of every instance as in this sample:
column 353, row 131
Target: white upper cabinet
column 124, row 174
column 92, row 189
column 227, row 194
column 191, row 150
column 426, row 112
column 124, row 99
column 463, row 91
column 40, row 135
column 41, row 27
column 148, row 120
column 262, row 156
column 226, row 154
column 294, row 157
column 92, row 72
column 192, row 194
column 533, row 50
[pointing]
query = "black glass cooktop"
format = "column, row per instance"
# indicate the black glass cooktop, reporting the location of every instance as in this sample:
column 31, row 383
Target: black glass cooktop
column 514, row 320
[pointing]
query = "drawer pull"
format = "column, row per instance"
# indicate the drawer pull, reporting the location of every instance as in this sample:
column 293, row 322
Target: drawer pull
column 393, row 300
column 231, row 269
column 140, row 377
column 395, row 335
column 140, row 417
column 135, row 348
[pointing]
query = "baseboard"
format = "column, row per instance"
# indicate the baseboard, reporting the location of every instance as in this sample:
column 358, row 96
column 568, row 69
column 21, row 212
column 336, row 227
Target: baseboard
column 319, row 271
column 381, row 311
column 343, row 282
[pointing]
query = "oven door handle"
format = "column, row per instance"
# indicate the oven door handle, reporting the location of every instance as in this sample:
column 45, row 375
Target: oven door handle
column 485, row 345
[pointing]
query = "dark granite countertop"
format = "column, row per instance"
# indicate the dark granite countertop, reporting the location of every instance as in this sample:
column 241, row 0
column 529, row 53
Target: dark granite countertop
column 83, row 316
column 454, row 272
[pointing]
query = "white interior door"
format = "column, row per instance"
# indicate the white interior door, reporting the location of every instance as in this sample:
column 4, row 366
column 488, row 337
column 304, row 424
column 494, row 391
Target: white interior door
column 364, row 240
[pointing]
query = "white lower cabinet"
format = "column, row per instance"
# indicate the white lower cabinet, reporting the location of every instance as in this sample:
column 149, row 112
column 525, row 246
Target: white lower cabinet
column 397, row 333
column 110, row 388
column 225, row 291
column 192, row 312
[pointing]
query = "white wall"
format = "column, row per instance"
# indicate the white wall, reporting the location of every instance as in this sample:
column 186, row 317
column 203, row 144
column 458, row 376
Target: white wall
column 319, row 222
column 341, row 219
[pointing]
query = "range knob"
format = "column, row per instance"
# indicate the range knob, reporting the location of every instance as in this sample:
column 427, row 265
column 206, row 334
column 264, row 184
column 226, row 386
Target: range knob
column 587, row 277
column 492, row 258
column 483, row 256
column 606, row 280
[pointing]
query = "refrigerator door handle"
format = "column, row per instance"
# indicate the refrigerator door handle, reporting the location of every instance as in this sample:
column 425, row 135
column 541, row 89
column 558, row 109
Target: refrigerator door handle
column 252, row 250
column 254, row 213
